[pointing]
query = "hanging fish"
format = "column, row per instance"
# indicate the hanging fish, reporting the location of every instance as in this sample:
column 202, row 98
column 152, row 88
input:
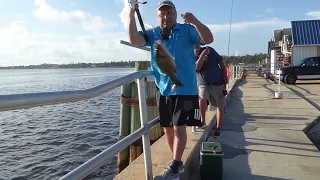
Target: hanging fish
column 166, row 63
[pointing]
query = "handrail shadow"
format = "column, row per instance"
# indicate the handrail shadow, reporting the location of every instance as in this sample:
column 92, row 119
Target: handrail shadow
column 304, row 97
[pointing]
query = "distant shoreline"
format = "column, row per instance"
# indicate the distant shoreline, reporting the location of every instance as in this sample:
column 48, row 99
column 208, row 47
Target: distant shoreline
column 6, row 68
column 256, row 58
column 120, row 64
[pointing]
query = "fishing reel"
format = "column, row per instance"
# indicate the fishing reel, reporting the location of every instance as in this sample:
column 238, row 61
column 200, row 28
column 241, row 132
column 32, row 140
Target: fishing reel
column 165, row 33
column 134, row 2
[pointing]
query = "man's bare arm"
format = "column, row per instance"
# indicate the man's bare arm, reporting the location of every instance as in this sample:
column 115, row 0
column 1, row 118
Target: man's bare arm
column 202, row 57
column 134, row 37
column 204, row 32
column 206, row 36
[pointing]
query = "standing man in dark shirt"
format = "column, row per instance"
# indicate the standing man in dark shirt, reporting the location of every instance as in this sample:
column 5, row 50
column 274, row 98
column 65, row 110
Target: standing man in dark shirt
column 212, row 78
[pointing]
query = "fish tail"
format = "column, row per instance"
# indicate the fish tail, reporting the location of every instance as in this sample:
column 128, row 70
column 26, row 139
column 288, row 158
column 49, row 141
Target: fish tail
column 175, row 82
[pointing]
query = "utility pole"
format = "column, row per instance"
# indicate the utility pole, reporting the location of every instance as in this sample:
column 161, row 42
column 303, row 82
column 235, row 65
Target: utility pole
column 230, row 27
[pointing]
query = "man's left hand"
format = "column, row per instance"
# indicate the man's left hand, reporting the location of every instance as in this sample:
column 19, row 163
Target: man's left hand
column 189, row 18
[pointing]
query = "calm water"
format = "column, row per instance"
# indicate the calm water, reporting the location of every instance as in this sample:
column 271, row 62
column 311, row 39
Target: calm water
column 47, row 142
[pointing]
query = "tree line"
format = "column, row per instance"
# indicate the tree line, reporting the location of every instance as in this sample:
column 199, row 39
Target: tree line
column 115, row 64
column 247, row 59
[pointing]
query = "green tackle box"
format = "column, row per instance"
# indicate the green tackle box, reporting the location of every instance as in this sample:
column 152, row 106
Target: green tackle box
column 211, row 161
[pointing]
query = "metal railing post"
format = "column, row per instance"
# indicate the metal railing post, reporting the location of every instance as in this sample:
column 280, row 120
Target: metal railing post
column 236, row 72
column 144, row 122
column 233, row 73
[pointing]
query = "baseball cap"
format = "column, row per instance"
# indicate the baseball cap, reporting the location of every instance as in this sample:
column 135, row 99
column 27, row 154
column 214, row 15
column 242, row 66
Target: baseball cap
column 165, row 3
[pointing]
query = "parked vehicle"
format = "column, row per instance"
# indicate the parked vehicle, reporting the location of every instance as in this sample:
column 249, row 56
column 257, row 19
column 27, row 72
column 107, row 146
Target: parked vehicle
column 307, row 69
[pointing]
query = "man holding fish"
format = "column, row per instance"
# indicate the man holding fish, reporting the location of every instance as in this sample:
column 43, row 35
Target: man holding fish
column 173, row 63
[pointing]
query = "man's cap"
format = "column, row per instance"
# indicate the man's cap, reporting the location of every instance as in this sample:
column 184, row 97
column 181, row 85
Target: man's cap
column 165, row 3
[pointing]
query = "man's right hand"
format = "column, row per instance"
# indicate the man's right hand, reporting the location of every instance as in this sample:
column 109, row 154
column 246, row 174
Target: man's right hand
column 132, row 9
column 134, row 37
column 206, row 51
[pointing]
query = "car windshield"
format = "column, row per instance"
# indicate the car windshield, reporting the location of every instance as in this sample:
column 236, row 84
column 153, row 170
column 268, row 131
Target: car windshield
column 302, row 61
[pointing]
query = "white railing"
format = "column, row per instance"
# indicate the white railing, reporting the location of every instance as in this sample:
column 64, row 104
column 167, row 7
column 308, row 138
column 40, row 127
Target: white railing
column 19, row 101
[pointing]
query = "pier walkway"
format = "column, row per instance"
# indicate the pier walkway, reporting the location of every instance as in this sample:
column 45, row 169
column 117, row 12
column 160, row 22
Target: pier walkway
column 262, row 138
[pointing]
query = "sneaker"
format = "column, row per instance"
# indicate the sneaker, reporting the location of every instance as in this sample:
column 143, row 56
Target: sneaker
column 216, row 134
column 168, row 174
column 181, row 169
column 202, row 126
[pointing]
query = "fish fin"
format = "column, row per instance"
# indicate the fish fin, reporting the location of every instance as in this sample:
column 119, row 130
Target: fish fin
column 175, row 80
column 176, row 84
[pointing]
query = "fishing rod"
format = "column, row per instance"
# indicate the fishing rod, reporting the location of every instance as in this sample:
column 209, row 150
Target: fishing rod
column 133, row 4
column 230, row 26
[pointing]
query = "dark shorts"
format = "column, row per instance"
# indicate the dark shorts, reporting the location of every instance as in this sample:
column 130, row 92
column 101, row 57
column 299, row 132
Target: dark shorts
column 178, row 110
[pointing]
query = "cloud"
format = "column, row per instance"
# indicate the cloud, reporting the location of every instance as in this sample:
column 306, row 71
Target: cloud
column 87, row 21
column 236, row 53
column 15, row 35
column 269, row 10
column 245, row 25
column 314, row 14
column 145, row 11
column 124, row 14
column 20, row 46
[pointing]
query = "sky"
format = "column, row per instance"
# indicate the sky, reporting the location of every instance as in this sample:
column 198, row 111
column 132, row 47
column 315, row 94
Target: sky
column 70, row 31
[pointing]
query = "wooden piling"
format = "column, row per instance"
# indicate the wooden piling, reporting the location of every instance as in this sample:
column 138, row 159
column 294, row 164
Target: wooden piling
column 130, row 117
column 142, row 65
column 157, row 131
column 125, row 129
column 136, row 147
column 152, row 110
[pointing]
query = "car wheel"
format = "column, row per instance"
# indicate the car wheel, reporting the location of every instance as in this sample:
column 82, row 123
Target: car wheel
column 290, row 79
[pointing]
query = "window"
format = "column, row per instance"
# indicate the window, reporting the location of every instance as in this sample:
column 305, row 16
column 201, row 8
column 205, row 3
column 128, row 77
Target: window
column 312, row 62
column 318, row 61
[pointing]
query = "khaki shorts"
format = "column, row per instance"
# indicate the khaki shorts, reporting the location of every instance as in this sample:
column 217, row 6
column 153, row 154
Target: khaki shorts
column 213, row 94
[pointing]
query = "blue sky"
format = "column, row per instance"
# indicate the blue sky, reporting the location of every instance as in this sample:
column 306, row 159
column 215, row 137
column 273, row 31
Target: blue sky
column 65, row 31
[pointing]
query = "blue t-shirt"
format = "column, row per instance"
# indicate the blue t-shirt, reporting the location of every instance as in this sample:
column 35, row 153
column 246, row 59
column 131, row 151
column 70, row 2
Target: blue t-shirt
column 180, row 44
column 210, row 73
